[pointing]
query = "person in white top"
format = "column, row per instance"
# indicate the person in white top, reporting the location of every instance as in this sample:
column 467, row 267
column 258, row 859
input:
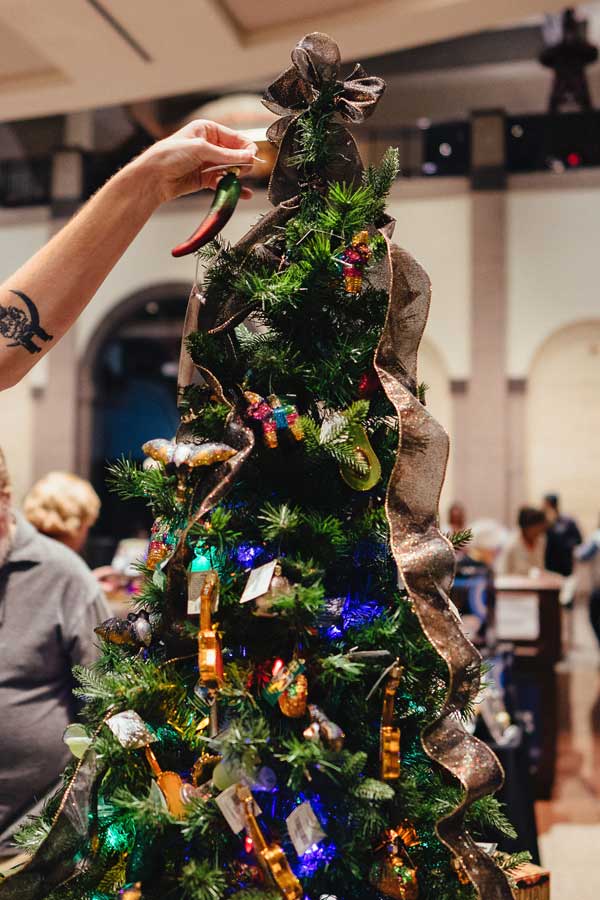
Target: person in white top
column 525, row 549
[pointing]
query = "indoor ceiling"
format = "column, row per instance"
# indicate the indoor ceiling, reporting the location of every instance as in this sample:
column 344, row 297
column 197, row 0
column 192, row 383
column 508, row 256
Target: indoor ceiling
column 70, row 55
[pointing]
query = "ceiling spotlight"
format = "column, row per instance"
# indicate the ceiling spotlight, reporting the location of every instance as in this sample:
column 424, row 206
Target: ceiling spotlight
column 429, row 168
column 423, row 123
column 517, row 131
column 152, row 307
column 445, row 149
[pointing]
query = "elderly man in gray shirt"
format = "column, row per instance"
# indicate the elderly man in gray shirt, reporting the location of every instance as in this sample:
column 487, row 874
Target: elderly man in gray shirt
column 49, row 605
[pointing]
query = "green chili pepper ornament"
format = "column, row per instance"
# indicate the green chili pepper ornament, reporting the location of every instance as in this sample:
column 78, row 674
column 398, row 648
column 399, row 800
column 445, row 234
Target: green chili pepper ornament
column 225, row 201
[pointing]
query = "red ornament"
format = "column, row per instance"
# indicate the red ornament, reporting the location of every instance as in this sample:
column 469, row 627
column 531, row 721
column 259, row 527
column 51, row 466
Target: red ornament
column 368, row 385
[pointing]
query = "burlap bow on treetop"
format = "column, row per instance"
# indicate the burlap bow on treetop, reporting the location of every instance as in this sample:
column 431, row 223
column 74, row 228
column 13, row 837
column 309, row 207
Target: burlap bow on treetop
column 313, row 79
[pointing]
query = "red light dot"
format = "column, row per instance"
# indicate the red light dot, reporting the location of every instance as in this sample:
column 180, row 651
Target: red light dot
column 248, row 844
column 277, row 666
column 574, row 159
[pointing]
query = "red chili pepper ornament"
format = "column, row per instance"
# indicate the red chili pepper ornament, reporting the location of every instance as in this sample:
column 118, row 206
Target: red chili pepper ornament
column 224, row 203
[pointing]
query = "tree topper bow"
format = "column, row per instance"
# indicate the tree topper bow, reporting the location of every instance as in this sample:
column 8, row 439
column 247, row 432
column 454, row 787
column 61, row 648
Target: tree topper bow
column 314, row 76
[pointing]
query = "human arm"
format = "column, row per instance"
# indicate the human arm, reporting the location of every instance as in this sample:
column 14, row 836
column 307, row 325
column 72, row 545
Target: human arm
column 42, row 300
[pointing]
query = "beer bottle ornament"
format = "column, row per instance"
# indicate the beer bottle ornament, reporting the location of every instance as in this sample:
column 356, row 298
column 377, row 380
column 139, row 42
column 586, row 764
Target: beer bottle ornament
column 279, row 587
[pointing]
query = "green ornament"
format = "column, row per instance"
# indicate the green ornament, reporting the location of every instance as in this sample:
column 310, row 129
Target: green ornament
column 225, row 774
column 77, row 740
column 367, row 479
column 201, row 562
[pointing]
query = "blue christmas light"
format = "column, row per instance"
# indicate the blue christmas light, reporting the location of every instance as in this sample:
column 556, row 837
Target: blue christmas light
column 358, row 612
column 246, row 554
column 316, row 857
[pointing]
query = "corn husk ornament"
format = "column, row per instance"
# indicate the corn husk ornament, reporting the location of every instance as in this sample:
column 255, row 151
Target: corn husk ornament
column 181, row 457
column 163, row 541
column 354, row 260
column 293, row 701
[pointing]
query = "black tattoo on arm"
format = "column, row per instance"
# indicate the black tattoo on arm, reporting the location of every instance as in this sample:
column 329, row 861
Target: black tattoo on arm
column 20, row 326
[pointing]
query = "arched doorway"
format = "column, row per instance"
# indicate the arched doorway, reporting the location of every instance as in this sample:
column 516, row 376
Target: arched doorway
column 128, row 379
column 563, row 421
column 433, row 371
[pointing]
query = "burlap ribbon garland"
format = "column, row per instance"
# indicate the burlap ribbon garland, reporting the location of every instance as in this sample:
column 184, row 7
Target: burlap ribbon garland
column 426, row 560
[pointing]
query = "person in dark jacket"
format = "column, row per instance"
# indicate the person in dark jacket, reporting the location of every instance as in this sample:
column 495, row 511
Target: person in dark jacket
column 562, row 536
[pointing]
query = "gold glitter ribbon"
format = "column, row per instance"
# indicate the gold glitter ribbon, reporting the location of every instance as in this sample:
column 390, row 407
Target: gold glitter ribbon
column 426, row 561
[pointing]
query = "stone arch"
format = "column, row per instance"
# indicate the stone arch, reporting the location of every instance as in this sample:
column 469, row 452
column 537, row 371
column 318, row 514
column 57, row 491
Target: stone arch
column 116, row 316
column 563, row 420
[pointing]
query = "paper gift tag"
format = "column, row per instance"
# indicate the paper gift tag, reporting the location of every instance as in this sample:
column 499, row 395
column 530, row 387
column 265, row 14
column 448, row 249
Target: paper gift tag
column 304, row 828
column 130, row 730
column 198, row 582
column 232, row 808
column 258, row 582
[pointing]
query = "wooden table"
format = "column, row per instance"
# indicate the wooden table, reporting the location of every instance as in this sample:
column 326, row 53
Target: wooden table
column 528, row 614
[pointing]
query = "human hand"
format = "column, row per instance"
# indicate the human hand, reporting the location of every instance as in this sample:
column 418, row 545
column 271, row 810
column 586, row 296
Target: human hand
column 176, row 164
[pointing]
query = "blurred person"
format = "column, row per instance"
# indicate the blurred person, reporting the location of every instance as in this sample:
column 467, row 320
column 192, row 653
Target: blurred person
column 42, row 300
column 525, row 550
column 49, row 605
column 474, row 584
column 488, row 539
column 457, row 518
column 589, row 552
column 64, row 507
column 562, row 537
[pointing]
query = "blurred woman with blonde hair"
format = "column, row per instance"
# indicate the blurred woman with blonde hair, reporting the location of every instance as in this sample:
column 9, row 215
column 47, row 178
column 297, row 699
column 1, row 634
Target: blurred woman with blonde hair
column 64, row 507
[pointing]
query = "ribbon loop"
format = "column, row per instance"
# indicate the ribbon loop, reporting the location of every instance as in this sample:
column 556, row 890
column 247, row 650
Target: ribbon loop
column 314, row 77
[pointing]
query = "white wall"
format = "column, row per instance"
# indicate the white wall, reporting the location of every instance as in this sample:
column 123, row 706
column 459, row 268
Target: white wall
column 553, row 265
column 21, row 234
column 436, row 229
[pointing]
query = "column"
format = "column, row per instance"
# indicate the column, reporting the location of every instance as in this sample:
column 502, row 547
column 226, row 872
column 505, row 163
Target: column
column 486, row 438
column 56, row 398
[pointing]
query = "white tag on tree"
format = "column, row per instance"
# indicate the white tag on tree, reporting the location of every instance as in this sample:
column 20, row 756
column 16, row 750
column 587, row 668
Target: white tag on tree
column 304, row 828
column 259, row 581
column 197, row 583
column 232, row 808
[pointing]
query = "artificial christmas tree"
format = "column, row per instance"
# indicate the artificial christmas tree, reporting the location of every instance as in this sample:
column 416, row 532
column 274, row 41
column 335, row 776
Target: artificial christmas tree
column 281, row 718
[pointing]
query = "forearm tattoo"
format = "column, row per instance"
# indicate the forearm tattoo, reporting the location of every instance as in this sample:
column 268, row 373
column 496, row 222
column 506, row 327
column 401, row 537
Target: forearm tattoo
column 20, row 326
